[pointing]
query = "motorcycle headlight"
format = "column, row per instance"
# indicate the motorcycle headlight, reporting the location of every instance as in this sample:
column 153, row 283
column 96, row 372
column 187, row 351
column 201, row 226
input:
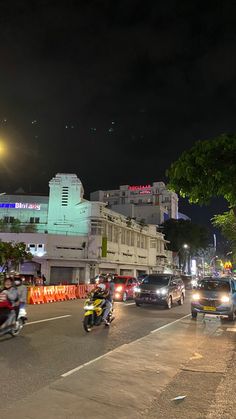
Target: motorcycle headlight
column 137, row 289
column 225, row 299
column 91, row 307
column 196, row 297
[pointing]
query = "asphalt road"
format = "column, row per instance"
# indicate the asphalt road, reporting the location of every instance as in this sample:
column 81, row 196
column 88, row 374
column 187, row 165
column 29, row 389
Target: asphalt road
column 47, row 349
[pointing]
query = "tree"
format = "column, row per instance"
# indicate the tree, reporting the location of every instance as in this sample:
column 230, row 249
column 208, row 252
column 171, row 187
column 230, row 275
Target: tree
column 12, row 254
column 180, row 232
column 226, row 222
column 30, row 228
column 16, row 226
column 207, row 170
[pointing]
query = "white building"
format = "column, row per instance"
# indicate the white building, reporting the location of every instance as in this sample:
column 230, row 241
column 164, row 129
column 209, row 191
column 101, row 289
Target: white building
column 76, row 239
column 152, row 203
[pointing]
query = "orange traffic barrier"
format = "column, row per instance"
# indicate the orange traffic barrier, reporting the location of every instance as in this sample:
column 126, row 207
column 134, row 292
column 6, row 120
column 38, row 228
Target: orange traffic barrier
column 71, row 292
column 35, row 295
column 49, row 294
column 60, row 292
column 82, row 291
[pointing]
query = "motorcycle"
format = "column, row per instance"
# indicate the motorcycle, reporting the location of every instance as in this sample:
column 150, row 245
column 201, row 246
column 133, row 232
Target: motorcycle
column 93, row 313
column 13, row 326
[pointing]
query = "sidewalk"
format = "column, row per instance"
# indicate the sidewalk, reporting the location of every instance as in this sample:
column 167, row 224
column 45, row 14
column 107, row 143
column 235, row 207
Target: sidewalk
column 140, row 379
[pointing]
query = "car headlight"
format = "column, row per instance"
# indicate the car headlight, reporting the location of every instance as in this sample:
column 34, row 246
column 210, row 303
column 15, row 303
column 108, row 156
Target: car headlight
column 137, row 289
column 225, row 299
column 158, row 291
column 164, row 291
column 195, row 297
column 119, row 289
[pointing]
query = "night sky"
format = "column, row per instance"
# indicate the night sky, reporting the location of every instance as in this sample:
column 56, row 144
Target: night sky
column 113, row 91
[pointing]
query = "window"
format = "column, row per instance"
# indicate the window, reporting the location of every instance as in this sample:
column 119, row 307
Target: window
column 115, row 234
column 11, row 220
column 132, row 239
column 128, row 237
column 64, row 196
column 31, row 247
column 6, row 219
column 34, row 220
column 109, row 236
column 96, row 227
column 160, row 280
column 138, row 240
column 129, row 282
column 153, row 243
column 123, row 236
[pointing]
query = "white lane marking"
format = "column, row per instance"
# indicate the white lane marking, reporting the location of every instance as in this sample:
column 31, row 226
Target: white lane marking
column 48, row 320
column 169, row 324
column 129, row 304
column 66, row 374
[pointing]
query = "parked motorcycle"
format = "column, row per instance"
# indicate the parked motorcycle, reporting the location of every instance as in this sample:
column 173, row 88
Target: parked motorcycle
column 93, row 313
column 13, row 326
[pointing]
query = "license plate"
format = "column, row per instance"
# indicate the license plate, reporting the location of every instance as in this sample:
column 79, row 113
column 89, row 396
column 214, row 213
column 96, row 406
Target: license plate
column 209, row 308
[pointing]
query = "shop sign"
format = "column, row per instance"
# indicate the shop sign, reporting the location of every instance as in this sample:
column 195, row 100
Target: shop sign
column 21, row 205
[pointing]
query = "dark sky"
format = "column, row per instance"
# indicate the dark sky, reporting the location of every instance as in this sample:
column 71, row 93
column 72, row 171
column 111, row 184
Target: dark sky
column 112, row 90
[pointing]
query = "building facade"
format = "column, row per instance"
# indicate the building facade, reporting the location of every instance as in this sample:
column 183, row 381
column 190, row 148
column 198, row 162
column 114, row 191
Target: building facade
column 153, row 203
column 72, row 239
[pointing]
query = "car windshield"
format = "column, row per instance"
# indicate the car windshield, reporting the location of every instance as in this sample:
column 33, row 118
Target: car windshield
column 211, row 285
column 156, row 280
column 119, row 280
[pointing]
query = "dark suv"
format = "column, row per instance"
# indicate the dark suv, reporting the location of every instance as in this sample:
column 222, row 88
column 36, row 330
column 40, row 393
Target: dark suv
column 215, row 296
column 161, row 289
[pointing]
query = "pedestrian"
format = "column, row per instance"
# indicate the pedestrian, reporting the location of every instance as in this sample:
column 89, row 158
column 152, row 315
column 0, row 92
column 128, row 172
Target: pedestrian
column 44, row 280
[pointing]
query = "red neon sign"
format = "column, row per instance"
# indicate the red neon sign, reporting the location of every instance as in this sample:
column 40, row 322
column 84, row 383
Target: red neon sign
column 138, row 188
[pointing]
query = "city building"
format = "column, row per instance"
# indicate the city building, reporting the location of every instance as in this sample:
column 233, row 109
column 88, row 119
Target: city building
column 72, row 239
column 152, row 203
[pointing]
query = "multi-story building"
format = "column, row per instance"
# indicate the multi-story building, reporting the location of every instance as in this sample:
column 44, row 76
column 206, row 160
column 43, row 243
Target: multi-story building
column 152, row 203
column 72, row 239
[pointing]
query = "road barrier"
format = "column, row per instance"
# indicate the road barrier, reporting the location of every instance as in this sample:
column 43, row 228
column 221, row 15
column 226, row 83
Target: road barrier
column 54, row 293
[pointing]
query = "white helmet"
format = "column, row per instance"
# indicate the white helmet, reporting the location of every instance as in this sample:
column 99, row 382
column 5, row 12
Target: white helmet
column 102, row 286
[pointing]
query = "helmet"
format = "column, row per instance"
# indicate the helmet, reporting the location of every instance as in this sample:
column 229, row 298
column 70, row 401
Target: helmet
column 102, row 286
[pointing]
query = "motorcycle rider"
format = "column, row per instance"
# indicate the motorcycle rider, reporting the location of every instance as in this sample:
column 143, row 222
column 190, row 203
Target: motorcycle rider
column 102, row 292
column 9, row 300
column 22, row 291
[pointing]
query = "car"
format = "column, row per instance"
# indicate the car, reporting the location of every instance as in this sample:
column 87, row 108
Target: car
column 124, row 287
column 214, row 296
column 160, row 289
